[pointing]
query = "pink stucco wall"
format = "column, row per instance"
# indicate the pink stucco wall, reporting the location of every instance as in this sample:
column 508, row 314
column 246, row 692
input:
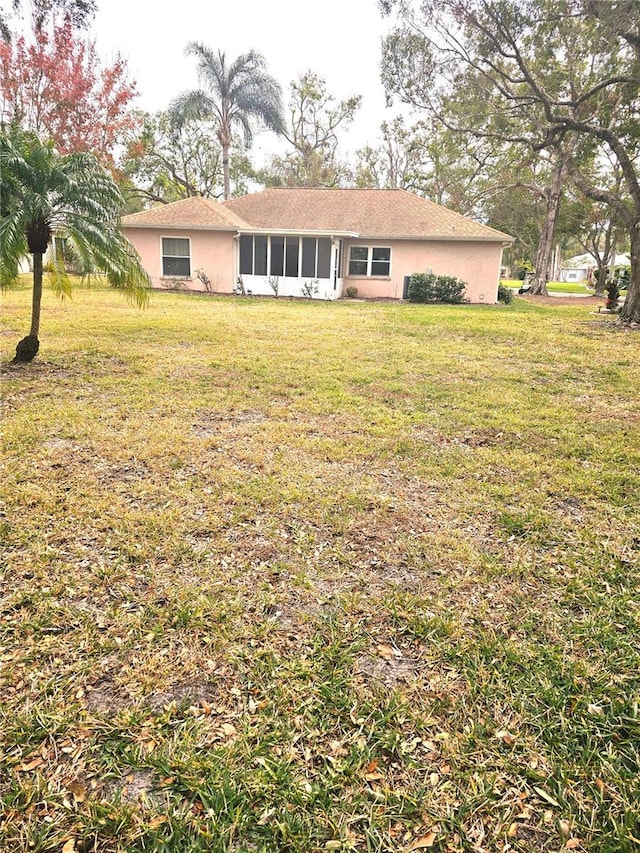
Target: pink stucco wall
column 477, row 263
column 212, row 251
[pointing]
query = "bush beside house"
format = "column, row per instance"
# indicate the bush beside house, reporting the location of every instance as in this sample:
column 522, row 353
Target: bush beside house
column 429, row 287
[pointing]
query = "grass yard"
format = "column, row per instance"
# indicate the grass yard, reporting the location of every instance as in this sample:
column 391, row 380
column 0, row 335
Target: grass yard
column 298, row 576
column 555, row 286
column 570, row 287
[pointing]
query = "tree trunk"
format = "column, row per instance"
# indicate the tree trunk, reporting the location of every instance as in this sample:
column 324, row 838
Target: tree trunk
column 36, row 299
column 601, row 278
column 606, row 260
column 545, row 246
column 630, row 312
column 225, row 172
column 28, row 347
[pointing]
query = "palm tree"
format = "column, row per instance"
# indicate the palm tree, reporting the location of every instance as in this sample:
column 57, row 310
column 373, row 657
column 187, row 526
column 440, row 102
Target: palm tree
column 232, row 94
column 42, row 194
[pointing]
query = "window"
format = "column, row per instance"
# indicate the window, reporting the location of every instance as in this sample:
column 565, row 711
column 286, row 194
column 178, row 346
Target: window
column 370, row 261
column 277, row 256
column 380, row 261
column 309, row 245
column 246, row 254
column 253, row 254
column 260, row 254
column 176, row 257
column 293, row 250
column 359, row 260
column 323, row 269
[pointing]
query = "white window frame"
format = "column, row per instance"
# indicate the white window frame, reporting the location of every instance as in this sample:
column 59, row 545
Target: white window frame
column 370, row 262
column 163, row 256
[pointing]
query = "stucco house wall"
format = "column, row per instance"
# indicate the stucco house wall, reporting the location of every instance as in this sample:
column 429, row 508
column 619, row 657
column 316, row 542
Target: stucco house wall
column 212, row 251
column 477, row 263
column 396, row 234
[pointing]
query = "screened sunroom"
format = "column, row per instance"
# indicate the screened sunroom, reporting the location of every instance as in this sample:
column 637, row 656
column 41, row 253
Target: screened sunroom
column 271, row 264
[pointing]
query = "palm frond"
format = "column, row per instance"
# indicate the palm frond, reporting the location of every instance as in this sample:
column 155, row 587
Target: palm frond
column 60, row 281
column 192, row 106
column 73, row 197
column 233, row 93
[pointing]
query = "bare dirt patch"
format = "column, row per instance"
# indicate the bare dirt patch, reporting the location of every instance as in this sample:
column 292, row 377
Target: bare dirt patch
column 181, row 693
column 588, row 301
column 138, row 786
column 105, row 698
column 390, row 672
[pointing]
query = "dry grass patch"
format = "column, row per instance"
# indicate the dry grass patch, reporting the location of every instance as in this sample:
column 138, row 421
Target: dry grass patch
column 299, row 576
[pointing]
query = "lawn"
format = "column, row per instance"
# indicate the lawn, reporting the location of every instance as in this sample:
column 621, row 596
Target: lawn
column 556, row 287
column 298, row 576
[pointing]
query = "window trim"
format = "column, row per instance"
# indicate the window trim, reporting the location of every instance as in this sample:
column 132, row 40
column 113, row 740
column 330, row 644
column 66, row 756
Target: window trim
column 370, row 247
column 163, row 256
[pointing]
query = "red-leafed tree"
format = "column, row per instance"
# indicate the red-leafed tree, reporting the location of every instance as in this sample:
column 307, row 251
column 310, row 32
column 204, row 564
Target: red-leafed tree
column 55, row 84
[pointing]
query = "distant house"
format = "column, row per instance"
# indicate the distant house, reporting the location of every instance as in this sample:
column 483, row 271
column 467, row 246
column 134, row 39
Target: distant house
column 583, row 267
column 315, row 242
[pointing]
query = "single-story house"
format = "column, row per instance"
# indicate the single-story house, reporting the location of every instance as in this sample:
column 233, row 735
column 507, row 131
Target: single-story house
column 315, row 242
column 583, row 267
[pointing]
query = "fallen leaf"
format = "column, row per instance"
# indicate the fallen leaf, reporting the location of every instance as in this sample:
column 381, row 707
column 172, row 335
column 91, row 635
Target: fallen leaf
column 595, row 710
column 372, row 777
column 265, row 816
column 385, row 652
column 602, row 788
column 546, row 797
column 229, row 729
column 30, row 765
column 506, row 737
column 565, row 828
column 357, row 721
column 573, row 843
column 69, row 846
column 79, row 793
column 424, row 841
column 158, row 820
column 512, row 831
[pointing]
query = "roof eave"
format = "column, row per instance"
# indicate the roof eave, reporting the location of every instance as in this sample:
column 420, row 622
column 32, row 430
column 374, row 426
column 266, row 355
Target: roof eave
column 174, row 227
column 310, row 232
column 449, row 238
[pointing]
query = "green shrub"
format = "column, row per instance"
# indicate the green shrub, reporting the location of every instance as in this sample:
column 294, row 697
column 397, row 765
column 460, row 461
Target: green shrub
column 429, row 287
column 505, row 294
column 352, row 291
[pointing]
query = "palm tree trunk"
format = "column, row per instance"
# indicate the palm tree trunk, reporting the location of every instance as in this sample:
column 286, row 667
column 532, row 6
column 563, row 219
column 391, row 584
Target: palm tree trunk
column 28, row 347
column 36, row 299
column 225, row 171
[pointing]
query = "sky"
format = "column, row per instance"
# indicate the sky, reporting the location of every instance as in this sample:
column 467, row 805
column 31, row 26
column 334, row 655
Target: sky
column 338, row 39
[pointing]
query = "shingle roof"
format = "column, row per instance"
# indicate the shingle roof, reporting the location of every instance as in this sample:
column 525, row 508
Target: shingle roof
column 196, row 212
column 369, row 213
